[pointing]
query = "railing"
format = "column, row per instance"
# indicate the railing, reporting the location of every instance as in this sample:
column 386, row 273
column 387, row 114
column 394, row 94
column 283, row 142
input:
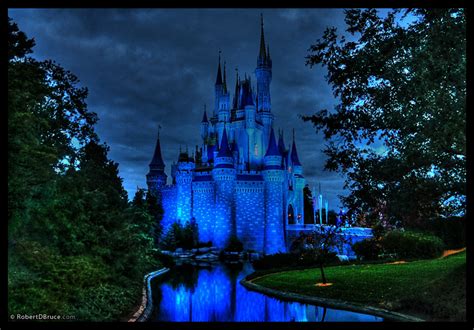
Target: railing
column 144, row 311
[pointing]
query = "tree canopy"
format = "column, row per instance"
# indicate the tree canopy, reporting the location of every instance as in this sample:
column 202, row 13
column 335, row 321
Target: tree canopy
column 398, row 131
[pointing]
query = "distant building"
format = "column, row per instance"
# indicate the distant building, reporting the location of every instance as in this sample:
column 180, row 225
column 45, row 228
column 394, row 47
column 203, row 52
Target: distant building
column 240, row 181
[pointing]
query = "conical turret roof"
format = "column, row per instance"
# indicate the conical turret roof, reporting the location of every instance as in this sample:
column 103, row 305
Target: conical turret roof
column 294, row 155
column 204, row 117
column 281, row 144
column 219, row 72
column 224, row 150
column 272, row 149
column 157, row 160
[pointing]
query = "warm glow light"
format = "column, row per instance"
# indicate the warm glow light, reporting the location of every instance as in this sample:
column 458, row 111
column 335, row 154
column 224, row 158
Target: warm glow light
column 323, row 284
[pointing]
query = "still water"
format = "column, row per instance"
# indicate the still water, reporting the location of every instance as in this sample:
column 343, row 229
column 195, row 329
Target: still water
column 209, row 294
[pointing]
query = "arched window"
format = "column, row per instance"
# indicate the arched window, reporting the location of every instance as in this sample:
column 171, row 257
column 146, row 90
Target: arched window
column 291, row 215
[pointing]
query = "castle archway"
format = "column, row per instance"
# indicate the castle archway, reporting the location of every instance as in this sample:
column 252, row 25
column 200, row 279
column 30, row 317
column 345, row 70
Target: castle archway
column 291, row 215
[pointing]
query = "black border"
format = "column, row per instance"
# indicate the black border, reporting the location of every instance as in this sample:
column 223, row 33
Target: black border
column 469, row 324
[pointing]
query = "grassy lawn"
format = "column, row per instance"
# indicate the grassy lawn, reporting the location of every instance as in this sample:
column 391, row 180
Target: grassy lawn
column 431, row 289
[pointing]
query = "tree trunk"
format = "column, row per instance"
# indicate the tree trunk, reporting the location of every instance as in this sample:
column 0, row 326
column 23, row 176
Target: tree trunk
column 322, row 272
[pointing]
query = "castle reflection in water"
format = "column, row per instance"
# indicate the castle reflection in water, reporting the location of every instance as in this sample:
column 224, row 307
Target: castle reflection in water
column 191, row 294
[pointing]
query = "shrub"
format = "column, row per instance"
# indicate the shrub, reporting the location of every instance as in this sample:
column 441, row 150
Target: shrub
column 408, row 244
column 368, row 249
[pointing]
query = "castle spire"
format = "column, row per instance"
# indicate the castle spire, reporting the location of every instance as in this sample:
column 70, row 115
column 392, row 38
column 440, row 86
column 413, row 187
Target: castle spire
column 281, row 143
column 224, row 150
column 224, row 87
column 294, row 154
column 262, row 55
column 235, row 104
column 219, row 73
column 157, row 160
column 204, row 116
column 272, row 146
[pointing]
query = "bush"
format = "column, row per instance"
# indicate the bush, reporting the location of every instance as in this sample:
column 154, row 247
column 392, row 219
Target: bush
column 410, row 244
column 368, row 249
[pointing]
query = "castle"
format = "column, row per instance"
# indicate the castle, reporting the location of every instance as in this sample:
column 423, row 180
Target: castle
column 240, row 181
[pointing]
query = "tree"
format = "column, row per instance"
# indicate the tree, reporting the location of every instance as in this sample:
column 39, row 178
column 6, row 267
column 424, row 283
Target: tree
column 398, row 130
column 155, row 209
column 69, row 220
column 321, row 245
column 47, row 120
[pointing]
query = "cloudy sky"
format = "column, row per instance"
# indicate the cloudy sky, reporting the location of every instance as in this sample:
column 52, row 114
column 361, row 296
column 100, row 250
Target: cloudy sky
column 150, row 67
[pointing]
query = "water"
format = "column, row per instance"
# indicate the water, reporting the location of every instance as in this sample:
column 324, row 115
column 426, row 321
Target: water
column 209, row 294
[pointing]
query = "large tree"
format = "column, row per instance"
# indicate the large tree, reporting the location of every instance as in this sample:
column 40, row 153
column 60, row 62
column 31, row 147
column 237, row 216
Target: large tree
column 76, row 245
column 398, row 131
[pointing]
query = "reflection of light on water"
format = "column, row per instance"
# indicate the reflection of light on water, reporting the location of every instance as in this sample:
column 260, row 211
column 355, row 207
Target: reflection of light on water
column 218, row 296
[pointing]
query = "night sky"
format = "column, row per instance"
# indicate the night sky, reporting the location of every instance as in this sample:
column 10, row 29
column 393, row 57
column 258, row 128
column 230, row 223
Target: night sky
column 150, row 67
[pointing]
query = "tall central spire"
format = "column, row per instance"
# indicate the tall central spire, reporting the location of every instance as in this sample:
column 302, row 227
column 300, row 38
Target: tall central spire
column 224, row 88
column 262, row 53
column 219, row 73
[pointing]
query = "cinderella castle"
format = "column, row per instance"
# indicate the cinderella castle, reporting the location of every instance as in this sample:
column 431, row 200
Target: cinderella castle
column 241, row 181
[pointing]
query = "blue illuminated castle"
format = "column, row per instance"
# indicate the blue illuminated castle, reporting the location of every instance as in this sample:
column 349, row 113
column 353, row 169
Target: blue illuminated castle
column 241, row 181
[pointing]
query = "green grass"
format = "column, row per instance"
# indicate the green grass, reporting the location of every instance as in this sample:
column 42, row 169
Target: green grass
column 431, row 289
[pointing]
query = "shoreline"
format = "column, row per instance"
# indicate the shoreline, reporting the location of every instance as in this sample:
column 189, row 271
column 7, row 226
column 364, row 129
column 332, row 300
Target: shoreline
column 387, row 315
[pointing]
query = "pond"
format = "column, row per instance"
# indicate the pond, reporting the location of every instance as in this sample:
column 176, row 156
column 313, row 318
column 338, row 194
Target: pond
column 213, row 293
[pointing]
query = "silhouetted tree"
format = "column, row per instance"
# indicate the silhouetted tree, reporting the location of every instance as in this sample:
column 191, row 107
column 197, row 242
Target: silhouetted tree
column 398, row 132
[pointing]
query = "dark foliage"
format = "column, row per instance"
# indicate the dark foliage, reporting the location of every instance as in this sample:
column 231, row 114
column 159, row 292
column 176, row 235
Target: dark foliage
column 412, row 245
column 398, row 133
column 400, row 244
column 368, row 249
column 76, row 245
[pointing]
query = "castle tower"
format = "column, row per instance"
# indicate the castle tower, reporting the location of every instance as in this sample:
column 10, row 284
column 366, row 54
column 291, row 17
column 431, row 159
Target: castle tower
column 224, row 106
column 264, row 78
column 156, row 177
column 218, row 89
column 298, row 183
column 224, row 175
column 204, row 126
column 273, row 175
column 184, row 177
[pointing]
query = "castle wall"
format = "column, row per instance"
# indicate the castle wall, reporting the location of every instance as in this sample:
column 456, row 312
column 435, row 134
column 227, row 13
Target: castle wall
column 203, row 208
column 184, row 196
column 250, row 213
column 169, row 207
column 224, row 223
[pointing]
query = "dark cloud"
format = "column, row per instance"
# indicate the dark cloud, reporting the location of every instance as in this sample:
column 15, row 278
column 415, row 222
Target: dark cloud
column 147, row 67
